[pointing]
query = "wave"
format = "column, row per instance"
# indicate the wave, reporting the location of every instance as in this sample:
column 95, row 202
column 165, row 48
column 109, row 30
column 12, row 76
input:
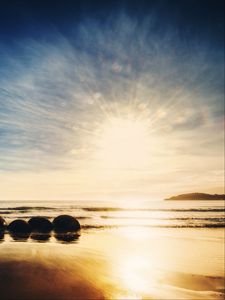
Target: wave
column 172, row 219
column 99, row 209
column 96, row 209
column 12, row 217
column 100, row 226
column 27, row 208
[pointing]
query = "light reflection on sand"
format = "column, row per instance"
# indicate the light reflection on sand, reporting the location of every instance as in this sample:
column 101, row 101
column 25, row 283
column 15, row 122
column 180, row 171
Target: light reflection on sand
column 132, row 271
column 127, row 263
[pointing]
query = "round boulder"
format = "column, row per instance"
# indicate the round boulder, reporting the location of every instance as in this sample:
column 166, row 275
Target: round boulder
column 19, row 226
column 67, row 237
column 20, row 236
column 2, row 233
column 40, row 237
column 65, row 223
column 40, row 224
column 2, row 224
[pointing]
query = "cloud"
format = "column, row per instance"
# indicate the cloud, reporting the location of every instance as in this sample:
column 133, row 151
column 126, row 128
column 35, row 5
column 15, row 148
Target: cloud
column 56, row 93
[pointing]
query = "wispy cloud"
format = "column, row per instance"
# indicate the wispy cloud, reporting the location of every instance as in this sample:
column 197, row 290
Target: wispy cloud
column 54, row 94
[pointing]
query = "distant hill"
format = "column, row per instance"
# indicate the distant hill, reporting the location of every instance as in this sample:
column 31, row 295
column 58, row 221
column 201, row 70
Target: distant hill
column 197, row 196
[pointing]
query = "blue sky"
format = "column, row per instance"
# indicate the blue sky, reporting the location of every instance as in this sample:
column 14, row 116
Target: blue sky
column 67, row 70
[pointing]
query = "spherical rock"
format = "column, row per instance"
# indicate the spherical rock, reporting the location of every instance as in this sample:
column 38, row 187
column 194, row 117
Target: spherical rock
column 67, row 237
column 19, row 226
column 40, row 224
column 40, row 237
column 2, row 233
column 65, row 223
column 19, row 236
column 2, row 224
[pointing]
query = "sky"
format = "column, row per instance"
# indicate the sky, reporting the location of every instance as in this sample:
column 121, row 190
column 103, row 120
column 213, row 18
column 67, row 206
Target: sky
column 103, row 100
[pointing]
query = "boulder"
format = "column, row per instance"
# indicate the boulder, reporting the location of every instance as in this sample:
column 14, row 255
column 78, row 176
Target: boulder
column 67, row 237
column 2, row 224
column 2, row 233
column 66, row 223
column 40, row 237
column 19, row 226
column 40, row 224
column 20, row 236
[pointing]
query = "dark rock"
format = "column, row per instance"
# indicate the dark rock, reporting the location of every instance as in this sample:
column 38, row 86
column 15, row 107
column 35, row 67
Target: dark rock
column 40, row 224
column 67, row 237
column 2, row 224
column 65, row 223
column 40, row 237
column 20, row 236
column 19, row 226
column 2, row 233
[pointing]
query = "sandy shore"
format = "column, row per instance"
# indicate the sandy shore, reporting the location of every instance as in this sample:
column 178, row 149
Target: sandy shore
column 126, row 263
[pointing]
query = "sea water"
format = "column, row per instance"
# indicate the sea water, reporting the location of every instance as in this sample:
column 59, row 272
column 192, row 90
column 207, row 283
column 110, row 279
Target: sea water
column 104, row 214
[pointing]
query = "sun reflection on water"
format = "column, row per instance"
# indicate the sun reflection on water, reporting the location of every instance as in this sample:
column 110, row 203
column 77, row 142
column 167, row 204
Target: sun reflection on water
column 128, row 297
column 137, row 273
column 133, row 273
column 135, row 233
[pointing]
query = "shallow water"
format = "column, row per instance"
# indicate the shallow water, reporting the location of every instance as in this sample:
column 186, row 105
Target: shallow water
column 96, row 214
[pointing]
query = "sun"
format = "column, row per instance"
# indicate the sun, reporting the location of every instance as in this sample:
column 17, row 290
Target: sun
column 123, row 143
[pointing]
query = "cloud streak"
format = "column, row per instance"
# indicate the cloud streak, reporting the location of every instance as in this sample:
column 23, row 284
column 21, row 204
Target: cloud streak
column 55, row 94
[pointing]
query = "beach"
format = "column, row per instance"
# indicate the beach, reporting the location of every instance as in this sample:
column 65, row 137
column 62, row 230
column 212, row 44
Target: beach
column 119, row 263
column 145, row 250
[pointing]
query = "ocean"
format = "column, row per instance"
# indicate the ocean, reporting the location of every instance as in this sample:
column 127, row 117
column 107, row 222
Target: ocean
column 107, row 214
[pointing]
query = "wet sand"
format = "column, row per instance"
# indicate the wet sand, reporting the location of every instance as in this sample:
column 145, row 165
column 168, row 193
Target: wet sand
column 126, row 263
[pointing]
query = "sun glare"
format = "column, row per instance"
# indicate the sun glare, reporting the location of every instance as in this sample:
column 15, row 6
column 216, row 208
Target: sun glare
column 123, row 143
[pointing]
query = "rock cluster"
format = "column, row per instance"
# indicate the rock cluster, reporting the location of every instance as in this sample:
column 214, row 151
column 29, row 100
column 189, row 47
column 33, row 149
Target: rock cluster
column 61, row 224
